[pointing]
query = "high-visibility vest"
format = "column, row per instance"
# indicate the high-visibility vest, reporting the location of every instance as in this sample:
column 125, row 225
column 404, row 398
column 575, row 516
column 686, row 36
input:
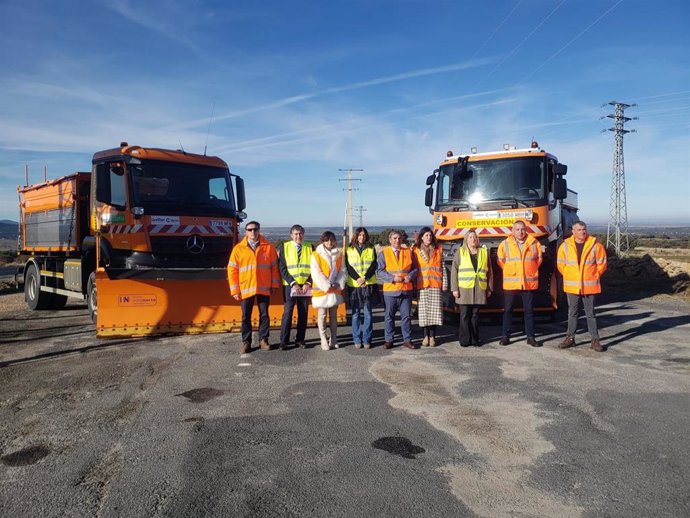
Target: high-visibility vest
column 401, row 266
column 582, row 278
column 326, row 270
column 430, row 274
column 360, row 263
column 520, row 269
column 298, row 266
column 253, row 273
column 467, row 275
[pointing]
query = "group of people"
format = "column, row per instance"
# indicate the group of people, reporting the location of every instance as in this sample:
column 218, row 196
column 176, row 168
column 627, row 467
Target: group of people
column 324, row 276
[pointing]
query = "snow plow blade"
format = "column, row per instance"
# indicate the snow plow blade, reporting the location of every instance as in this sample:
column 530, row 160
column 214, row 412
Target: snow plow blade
column 143, row 305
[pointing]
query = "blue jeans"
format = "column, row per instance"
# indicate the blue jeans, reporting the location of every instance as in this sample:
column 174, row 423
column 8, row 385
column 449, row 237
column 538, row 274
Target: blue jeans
column 402, row 303
column 509, row 298
column 361, row 335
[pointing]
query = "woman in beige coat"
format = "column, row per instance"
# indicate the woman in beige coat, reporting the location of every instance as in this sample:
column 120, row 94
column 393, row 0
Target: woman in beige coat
column 328, row 281
column 471, row 282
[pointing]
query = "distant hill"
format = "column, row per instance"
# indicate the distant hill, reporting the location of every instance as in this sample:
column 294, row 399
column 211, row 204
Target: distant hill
column 8, row 229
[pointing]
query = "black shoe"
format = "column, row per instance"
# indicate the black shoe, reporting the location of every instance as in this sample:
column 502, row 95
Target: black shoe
column 301, row 344
column 531, row 341
column 283, row 347
column 464, row 345
column 504, row 340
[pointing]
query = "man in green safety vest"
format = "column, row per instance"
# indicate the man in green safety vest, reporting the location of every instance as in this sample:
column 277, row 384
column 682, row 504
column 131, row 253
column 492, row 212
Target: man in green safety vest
column 294, row 262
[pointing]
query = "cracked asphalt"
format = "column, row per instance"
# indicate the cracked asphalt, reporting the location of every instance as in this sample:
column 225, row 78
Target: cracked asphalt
column 186, row 426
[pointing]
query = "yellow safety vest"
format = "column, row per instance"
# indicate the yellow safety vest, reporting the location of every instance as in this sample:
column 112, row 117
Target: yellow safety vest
column 299, row 267
column 466, row 274
column 361, row 264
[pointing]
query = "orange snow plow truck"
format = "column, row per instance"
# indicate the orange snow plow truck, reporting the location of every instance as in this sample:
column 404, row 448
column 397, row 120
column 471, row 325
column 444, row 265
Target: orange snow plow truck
column 488, row 192
column 144, row 237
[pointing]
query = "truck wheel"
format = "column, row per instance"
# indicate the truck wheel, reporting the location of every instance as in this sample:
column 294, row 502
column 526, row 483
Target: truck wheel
column 35, row 298
column 92, row 297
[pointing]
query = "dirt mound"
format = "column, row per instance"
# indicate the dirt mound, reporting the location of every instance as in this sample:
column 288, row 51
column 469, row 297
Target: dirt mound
column 647, row 274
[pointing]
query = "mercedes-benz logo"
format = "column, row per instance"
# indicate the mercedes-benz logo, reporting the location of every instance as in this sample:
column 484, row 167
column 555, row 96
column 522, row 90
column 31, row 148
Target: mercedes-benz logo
column 195, row 244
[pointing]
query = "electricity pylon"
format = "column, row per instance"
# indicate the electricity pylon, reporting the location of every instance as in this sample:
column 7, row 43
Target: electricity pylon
column 349, row 189
column 617, row 231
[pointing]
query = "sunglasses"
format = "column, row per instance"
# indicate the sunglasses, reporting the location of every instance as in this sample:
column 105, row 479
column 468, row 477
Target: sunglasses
column 253, row 229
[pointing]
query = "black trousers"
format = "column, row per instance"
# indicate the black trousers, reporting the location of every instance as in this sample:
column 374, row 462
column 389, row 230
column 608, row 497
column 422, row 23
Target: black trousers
column 302, row 304
column 469, row 324
column 247, row 307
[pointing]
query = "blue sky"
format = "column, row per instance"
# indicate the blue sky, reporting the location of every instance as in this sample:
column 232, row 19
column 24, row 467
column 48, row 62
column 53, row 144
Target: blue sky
column 301, row 89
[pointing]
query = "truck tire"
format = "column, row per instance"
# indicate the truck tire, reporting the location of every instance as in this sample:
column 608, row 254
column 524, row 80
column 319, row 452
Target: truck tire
column 92, row 297
column 35, row 298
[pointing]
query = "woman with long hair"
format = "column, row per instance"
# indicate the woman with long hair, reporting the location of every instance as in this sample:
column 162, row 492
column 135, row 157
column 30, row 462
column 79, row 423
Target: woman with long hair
column 471, row 282
column 328, row 282
column 360, row 264
column 430, row 282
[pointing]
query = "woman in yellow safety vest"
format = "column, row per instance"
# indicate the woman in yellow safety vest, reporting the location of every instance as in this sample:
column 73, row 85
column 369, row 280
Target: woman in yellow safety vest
column 471, row 282
column 328, row 282
column 430, row 282
column 360, row 264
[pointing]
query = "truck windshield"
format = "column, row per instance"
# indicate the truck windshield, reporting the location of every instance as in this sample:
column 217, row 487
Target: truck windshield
column 517, row 179
column 191, row 189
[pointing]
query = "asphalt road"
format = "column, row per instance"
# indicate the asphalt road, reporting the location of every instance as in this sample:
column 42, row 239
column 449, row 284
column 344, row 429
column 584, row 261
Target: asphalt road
column 186, row 426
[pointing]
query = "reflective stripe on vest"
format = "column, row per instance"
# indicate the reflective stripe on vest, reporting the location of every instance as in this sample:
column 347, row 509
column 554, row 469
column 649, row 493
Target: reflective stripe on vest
column 401, row 266
column 430, row 274
column 326, row 271
column 298, row 266
column 466, row 273
column 360, row 263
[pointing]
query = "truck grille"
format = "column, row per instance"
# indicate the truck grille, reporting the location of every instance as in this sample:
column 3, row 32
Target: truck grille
column 174, row 251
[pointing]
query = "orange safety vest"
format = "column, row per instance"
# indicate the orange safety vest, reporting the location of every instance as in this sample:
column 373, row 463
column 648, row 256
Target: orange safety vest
column 253, row 273
column 520, row 270
column 430, row 274
column 326, row 270
column 401, row 266
column 582, row 278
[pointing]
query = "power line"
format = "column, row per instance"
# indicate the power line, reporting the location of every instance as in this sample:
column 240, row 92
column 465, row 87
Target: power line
column 617, row 231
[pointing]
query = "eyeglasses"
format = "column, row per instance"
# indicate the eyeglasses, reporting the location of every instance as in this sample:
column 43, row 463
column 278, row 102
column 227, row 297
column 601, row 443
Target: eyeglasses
column 253, row 229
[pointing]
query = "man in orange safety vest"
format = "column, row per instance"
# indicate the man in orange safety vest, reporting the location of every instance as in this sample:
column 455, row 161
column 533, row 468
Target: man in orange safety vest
column 253, row 275
column 582, row 262
column 519, row 256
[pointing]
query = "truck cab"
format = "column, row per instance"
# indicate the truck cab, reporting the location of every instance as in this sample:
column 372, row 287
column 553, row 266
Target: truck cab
column 156, row 208
column 488, row 192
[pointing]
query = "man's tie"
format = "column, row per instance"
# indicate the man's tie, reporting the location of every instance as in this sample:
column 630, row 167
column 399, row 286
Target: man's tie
column 397, row 254
column 299, row 249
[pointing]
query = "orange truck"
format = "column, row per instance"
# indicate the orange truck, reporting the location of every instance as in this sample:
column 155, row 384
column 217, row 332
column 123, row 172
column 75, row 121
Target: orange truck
column 144, row 237
column 488, row 192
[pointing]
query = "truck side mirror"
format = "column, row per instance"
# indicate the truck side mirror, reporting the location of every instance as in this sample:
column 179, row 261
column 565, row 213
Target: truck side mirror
column 103, row 184
column 241, row 200
column 429, row 196
column 559, row 169
column 560, row 188
column 431, row 178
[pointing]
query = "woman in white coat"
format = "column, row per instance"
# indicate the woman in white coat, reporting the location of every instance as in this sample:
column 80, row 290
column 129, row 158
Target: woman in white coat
column 328, row 282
